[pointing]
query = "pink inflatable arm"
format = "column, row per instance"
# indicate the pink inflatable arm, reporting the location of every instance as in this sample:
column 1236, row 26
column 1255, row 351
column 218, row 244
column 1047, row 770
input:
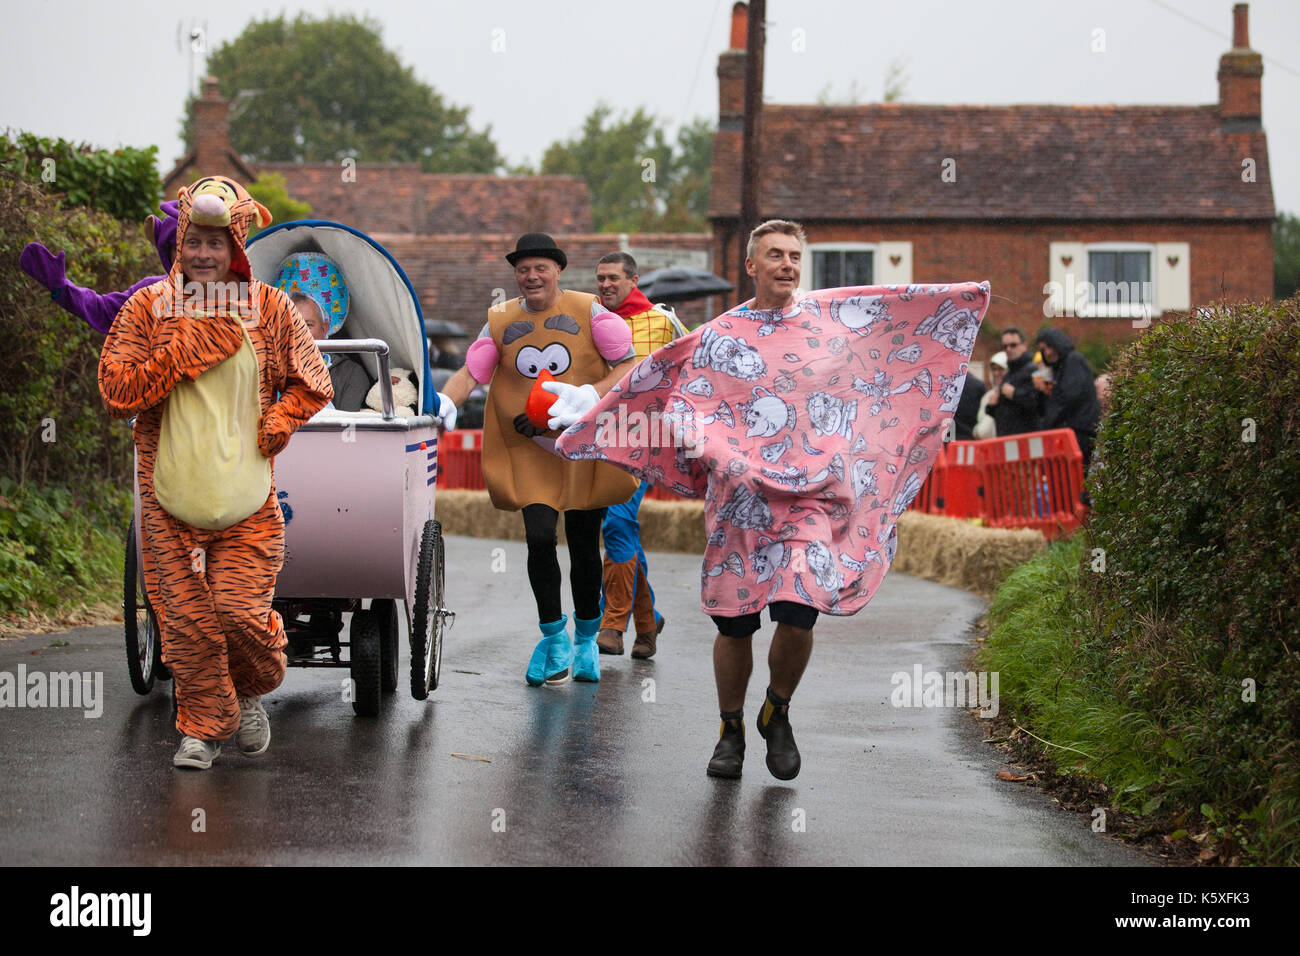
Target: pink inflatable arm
column 612, row 336
column 481, row 359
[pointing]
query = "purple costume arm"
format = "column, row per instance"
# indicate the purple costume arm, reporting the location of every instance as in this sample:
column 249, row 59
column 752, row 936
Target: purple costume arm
column 98, row 310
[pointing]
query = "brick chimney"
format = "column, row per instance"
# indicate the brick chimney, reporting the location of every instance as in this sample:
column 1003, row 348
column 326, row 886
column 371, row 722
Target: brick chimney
column 1240, row 70
column 211, row 128
column 731, row 73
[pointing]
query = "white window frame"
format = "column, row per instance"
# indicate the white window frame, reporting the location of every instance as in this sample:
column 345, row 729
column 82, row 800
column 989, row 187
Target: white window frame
column 811, row 247
column 1120, row 310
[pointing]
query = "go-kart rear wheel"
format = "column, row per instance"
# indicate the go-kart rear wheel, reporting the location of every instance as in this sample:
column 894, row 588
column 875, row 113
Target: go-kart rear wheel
column 427, row 614
column 385, row 611
column 364, row 641
column 143, row 647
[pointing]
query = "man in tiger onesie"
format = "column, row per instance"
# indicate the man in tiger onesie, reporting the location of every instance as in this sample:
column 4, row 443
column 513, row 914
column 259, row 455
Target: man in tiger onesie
column 211, row 587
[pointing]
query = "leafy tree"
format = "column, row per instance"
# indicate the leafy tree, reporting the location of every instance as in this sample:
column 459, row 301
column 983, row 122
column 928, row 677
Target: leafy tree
column 895, row 81
column 272, row 192
column 855, row 93
column 688, row 191
column 321, row 90
column 639, row 181
column 1286, row 256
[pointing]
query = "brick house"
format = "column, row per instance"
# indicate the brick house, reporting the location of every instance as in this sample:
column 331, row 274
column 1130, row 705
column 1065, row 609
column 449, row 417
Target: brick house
column 1174, row 212
column 450, row 232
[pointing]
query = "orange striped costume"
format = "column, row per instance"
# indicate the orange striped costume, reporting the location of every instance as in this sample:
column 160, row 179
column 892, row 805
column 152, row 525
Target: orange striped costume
column 211, row 590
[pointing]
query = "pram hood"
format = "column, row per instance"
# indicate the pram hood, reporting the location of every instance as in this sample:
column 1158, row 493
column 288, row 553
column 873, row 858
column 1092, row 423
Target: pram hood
column 383, row 302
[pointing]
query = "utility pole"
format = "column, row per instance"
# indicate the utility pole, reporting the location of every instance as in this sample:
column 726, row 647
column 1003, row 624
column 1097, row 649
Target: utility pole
column 755, row 38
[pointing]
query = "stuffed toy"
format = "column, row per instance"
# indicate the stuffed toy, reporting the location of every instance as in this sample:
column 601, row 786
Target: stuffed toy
column 404, row 394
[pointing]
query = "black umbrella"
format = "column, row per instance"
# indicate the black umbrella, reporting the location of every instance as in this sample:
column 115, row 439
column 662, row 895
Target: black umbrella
column 442, row 327
column 678, row 284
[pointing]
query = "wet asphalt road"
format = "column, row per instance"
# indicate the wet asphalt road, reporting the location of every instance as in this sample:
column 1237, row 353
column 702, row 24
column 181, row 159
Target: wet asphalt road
column 582, row 774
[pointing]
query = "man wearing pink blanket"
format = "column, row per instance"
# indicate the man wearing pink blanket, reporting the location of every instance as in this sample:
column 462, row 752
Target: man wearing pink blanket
column 809, row 423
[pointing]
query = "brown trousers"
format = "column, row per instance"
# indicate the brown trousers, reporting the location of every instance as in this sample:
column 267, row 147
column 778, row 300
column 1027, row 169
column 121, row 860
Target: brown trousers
column 627, row 592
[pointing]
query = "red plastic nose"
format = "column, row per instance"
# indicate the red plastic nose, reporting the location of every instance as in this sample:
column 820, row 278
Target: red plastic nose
column 540, row 401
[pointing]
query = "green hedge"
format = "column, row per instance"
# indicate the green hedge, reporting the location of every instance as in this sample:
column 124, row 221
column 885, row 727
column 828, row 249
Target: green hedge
column 122, row 182
column 65, row 466
column 59, row 547
column 1150, row 665
column 49, row 365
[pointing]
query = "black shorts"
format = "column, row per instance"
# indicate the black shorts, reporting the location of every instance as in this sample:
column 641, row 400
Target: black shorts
column 781, row 612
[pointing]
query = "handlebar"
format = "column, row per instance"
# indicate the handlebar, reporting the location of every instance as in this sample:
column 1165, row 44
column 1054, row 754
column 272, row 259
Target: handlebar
column 379, row 348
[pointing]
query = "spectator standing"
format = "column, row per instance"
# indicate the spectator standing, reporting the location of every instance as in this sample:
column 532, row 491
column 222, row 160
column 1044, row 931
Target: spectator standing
column 1070, row 399
column 1016, row 409
column 985, row 426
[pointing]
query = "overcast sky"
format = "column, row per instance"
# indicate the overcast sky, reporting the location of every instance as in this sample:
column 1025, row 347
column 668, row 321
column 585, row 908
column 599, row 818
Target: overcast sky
column 115, row 73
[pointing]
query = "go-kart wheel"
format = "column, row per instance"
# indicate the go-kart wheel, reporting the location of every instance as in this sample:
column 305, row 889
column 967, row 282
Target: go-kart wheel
column 385, row 611
column 143, row 650
column 428, row 614
column 365, row 651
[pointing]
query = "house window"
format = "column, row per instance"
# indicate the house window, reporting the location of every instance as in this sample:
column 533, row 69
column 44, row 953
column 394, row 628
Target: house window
column 834, row 268
column 1120, row 281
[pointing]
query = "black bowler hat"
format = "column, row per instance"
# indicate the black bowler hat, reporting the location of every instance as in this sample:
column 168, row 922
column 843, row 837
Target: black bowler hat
column 537, row 244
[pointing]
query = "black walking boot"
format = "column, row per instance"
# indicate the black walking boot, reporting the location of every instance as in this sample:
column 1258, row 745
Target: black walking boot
column 774, row 727
column 729, row 754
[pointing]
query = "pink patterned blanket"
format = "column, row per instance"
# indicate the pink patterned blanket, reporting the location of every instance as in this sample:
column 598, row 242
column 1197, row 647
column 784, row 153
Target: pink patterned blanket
column 808, row 431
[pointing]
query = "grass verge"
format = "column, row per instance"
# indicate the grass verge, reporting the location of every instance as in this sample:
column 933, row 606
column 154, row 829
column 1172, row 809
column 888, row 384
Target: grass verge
column 60, row 555
column 1062, row 678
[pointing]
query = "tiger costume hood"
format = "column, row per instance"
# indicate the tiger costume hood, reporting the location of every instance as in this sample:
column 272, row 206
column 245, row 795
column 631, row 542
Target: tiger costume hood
column 220, row 201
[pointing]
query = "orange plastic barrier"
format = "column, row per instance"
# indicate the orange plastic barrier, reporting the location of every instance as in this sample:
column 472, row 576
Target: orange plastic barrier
column 961, row 495
column 933, row 487
column 952, row 488
column 1032, row 481
column 460, row 459
column 1022, row 481
column 660, row 493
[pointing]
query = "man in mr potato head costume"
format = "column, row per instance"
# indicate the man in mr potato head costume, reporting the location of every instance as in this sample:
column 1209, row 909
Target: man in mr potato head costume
column 547, row 357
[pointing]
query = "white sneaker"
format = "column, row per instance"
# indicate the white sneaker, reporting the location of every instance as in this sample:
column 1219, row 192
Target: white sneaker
column 196, row 753
column 254, row 733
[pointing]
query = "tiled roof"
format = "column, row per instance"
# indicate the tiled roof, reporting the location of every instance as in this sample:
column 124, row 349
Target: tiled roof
column 400, row 198
column 886, row 161
column 186, row 171
column 459, row 277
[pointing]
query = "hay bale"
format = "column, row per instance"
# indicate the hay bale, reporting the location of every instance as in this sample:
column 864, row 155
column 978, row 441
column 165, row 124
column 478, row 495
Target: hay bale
column 665, row 525
column 470, row 513
column 944, row 550
column 959, row 554
column 676, row 526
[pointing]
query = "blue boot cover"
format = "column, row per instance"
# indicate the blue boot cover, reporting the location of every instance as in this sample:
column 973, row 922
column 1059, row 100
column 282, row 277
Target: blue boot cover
column 545, row 661
column 586, row 654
